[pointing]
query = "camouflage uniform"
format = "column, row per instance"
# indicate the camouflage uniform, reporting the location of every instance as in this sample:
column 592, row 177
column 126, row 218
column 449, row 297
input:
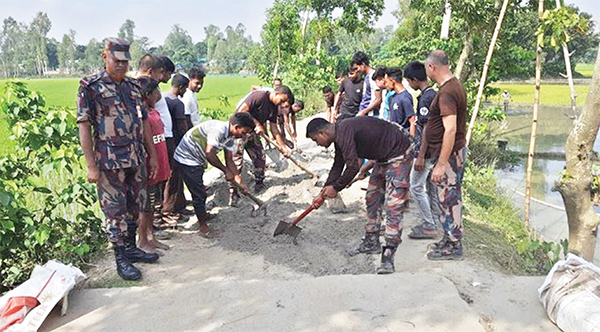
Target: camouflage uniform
column 115, row 112
column 388, row 189
column 450, row 195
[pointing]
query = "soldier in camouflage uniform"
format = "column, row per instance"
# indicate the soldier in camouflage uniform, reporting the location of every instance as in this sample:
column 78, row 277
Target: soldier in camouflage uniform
column 110, row 103
column 390, row 149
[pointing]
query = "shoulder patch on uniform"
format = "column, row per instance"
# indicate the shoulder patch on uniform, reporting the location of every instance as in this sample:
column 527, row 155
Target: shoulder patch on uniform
column 86, row 81
column 133, row 81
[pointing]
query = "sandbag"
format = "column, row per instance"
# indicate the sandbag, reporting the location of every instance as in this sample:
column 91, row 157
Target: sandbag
column 571, row 295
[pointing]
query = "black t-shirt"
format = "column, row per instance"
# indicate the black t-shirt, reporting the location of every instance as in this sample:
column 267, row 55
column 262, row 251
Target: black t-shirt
column 401, row 108
column 363, row 137
column 351, row 96
column 177, row 111
column 424, row 101
column 261, row 107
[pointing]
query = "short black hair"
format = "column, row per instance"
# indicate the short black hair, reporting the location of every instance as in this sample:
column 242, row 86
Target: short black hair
column 394, row 73
column 415, row 71
column 379, row 73
column 180, row 80
column 148, row 62
column 341, row 73
column 242, row 119
column 300, row 104
column 196, row 72
column 277, row 79
column 286, row 91
column 315, row 126
column 167, row 64
column 147, row 84
column 360, row 58
column 326, row 89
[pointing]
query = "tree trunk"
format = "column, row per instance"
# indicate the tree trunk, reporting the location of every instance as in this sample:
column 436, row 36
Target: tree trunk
column 567, row 57
column 446, row 21
column 460, row 71
column 576, row 181
column 534, row 117
column 305, row 23
column 486, row 67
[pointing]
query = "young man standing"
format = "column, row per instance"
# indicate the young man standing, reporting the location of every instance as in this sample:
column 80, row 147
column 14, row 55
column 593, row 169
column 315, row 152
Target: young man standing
column 262, row 106
column 445, row 143
column 111, row 104
column 419, row 176
column 174, row 201
column 350, row 95
column 196, row 77
column 378, row 140
column 329, row 101
column 286, row 120
column 400, row 105
column 384, row 108
column 200, row 146
column 371, row 99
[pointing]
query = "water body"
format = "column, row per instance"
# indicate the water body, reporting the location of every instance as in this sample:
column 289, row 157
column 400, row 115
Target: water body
column 554, row 125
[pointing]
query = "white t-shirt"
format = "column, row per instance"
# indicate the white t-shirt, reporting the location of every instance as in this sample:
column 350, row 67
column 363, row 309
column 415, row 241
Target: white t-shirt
column 191, row 106
column 191, row 149
column 165, row 116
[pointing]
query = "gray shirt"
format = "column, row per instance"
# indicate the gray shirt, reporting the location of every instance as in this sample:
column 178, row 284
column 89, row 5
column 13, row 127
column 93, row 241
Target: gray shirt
column 191, row 149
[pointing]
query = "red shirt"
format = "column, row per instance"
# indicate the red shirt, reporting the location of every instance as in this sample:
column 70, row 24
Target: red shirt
column 160, row 145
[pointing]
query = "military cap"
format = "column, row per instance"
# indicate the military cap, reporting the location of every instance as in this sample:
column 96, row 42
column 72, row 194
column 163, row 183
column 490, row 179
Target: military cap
column 118, row 47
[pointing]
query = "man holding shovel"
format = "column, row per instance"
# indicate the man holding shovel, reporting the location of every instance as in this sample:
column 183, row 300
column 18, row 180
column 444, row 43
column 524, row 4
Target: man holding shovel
column 262, row 106
column 199, row 147
column 372, row 139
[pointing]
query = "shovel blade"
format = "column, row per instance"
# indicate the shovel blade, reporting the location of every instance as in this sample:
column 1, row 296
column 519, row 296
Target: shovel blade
column 287, row 228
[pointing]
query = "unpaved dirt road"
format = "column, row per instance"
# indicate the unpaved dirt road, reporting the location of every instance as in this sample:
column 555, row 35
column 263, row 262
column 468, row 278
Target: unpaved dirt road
column 249, row 280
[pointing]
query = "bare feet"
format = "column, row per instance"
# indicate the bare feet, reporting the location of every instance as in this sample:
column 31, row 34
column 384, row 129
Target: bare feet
column 159, row 245
column 208, row 233
column 149, row 248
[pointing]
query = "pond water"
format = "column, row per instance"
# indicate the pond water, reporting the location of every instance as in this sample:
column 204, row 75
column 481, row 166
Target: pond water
column 554, row 125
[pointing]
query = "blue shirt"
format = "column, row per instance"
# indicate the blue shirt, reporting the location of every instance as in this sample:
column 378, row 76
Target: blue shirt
column 401, row 108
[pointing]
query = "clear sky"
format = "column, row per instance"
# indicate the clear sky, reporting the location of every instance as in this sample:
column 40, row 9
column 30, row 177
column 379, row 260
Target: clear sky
column 154, row 18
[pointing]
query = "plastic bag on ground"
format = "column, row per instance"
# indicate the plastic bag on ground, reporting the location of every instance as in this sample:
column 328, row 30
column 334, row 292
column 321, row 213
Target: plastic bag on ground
column 571, row 295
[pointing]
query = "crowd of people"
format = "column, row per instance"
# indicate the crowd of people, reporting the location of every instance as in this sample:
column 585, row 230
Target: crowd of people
column 143, row 146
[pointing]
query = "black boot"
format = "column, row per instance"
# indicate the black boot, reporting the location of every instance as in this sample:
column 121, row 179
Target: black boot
column 387, row 260
column 124, row 268
column 370, row 245
column 259, row 186
column 132, row 252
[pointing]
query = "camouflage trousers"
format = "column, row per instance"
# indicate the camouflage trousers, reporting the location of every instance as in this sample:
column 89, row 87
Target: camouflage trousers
column 450, row 195
column 254, row 148
column 123, row 195
column 388, row 192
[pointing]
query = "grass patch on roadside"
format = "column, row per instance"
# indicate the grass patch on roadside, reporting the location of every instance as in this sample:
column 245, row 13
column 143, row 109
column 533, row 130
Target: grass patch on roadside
column 494, row 230
column 551, row 94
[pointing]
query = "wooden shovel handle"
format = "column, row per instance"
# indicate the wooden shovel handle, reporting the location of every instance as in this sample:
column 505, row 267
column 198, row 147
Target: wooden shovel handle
column 309, row 172
column 249, row 195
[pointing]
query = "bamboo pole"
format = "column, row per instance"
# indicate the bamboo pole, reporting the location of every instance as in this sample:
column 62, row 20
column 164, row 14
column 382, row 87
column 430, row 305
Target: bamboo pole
column 534, row 120
column 486, row 67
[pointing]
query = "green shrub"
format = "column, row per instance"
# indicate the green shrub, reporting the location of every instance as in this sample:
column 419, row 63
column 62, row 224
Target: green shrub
column 47, row 209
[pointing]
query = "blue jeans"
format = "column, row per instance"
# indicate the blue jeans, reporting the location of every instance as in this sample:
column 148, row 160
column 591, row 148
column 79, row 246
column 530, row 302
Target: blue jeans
column 425, row 193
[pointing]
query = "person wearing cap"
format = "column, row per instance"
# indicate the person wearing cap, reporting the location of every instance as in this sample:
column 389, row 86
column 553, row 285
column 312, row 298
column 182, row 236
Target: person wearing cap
column 110, row 103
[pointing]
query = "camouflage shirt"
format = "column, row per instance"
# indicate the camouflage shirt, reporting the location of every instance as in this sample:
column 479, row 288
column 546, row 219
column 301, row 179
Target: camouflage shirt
column 115, row 111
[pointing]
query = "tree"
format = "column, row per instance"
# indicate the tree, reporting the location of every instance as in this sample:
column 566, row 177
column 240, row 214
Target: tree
column 213, row 35
column 93, row 56
column 486, row 66
column 13, row 50
column 67, row 53
column 280, row 36
column 38, row 29
column 178, row 45
column 126, row 31
column 576, row 180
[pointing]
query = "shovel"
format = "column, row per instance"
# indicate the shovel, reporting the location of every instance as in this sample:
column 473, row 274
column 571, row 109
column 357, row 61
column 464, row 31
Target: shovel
column 292, row 159
column 290, row 228
column 262, row 206
column 17, row 307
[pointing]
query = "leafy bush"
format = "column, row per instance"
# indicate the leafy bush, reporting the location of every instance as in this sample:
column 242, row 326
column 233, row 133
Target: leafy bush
column 47, row 208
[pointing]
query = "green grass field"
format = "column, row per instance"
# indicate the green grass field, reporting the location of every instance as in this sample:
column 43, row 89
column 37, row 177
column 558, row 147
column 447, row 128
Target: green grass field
column 585, row 69
column 550, row 94
column 62, row 92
